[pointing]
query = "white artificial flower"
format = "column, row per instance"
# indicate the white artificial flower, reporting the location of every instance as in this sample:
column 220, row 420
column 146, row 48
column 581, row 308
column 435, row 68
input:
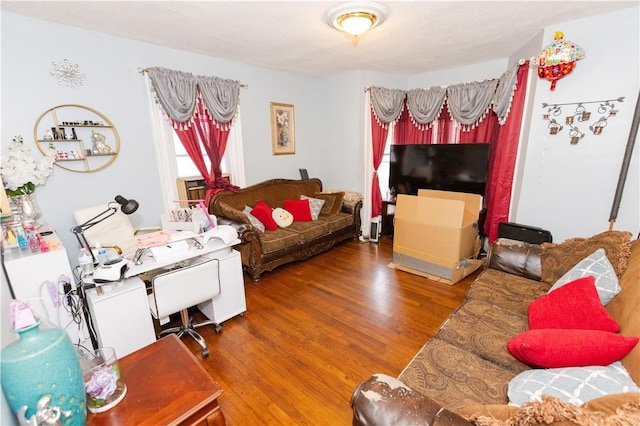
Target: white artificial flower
column 19, row 170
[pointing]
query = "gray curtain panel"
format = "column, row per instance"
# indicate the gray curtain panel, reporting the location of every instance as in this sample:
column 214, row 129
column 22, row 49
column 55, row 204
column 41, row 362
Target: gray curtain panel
column 221, row 97
column 504, row 94
column 175, row 91
column 425, row 104
column 469, row 102
column 387, row 103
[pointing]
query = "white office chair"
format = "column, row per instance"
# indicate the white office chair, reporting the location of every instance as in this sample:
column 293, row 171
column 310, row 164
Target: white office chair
column 180, row 289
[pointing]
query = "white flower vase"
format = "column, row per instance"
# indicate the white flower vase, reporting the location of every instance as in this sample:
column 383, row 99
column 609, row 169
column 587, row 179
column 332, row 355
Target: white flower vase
column 26, row 206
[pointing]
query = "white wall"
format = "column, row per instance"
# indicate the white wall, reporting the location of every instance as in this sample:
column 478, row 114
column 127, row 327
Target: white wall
column 469, row 73
column 114, row 87
column 566, row 188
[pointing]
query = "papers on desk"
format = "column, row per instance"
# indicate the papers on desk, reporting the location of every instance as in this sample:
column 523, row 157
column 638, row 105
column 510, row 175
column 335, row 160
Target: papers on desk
column 178, row 243
column 170, row 250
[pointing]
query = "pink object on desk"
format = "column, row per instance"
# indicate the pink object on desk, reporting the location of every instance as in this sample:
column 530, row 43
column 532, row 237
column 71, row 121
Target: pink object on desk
column 153, row 239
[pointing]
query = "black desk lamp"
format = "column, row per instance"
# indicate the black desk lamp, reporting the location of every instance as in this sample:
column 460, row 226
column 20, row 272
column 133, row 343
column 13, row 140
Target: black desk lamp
column 126, row 206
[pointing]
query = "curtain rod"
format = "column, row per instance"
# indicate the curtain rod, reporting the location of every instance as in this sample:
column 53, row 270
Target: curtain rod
column 143, row 70
column 520, row 62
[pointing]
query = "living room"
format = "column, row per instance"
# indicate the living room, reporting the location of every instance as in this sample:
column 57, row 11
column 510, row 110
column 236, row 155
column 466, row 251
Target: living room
column 565, row 188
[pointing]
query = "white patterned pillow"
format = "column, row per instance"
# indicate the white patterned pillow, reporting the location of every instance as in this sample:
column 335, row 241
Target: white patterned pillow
column 254, row 220
column 315, row 205
column 574, row 385
column 598, row 265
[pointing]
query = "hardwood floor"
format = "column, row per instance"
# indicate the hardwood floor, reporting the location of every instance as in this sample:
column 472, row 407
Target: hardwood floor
column 313, row 330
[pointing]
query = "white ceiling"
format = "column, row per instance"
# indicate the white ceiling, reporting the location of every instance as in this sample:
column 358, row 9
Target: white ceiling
column 292, row 36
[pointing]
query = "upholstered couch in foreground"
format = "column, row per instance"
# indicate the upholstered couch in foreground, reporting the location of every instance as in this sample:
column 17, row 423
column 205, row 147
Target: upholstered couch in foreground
column 335, row 219
column 466, row 374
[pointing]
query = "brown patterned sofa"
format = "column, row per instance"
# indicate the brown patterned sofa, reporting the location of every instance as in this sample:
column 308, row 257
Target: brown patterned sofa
column 338, row 220
column 461, row 375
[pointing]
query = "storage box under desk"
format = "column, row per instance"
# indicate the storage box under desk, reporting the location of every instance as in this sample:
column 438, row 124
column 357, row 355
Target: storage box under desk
column 121, row 316
column 231, row 300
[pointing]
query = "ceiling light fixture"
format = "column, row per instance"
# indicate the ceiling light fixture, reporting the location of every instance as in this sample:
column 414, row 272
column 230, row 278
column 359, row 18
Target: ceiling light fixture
column 356, row 18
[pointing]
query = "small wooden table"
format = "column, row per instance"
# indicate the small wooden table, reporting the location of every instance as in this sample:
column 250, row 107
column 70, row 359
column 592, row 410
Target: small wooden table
column 166, row 385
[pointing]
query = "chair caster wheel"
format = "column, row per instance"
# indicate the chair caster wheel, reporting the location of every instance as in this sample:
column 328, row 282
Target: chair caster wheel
column 205, row 353
column 218, row 329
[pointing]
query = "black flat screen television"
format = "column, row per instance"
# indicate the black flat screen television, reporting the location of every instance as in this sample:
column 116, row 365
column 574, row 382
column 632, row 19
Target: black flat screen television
column 445, row 167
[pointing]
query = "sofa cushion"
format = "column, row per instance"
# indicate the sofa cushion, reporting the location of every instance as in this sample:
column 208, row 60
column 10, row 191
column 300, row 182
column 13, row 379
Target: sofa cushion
column 598, row 265
column 557, row 259
column 554, row 348
column 575, row 305
column 624, row 308
column 310, row 230
column 575, row 385
column 332, row 202
column 299, row 209
column 252, row 219
column 315, row 204
column 263, row 212
column 455, row 377
column 282, row 217
column 482, row 328
column 505, row 290
column 279, row 239
column 337, row 221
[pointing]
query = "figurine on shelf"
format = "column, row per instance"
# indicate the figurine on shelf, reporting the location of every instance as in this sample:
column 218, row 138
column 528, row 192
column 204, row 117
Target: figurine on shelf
column 99, row 144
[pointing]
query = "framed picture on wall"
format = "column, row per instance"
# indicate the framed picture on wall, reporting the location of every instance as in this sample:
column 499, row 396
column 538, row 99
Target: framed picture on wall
column 283, row 136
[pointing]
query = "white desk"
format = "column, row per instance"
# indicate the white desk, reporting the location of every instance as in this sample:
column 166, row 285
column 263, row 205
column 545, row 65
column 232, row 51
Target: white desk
column 149, row 263
column 28, row 273
column 121, row 315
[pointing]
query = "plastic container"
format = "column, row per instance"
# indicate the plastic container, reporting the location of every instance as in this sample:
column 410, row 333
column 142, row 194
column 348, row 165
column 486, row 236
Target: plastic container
column 21, row 236
column 34, row 245
column 85, row 261
column 101, row 254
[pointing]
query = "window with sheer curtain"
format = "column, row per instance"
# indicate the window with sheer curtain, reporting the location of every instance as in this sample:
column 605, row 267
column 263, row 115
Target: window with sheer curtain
column 202, row 113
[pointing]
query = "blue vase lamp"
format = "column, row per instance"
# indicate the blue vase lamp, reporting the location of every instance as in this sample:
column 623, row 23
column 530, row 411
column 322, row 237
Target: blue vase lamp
column 41, row 371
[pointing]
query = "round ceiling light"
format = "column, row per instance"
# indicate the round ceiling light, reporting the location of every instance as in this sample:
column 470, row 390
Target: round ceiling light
column 356, row 18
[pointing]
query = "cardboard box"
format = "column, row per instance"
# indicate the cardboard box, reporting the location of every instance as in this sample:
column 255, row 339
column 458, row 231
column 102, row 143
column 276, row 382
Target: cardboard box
column 436, row 234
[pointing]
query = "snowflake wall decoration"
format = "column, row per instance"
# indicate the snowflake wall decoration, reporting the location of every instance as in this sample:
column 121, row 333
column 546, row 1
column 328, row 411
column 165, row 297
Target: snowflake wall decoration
column 68, row 74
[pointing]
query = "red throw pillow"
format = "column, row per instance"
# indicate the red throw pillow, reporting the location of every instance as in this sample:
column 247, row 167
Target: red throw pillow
column 299, row 209
column 556, row 348
column 575, row 305
column 262, row 211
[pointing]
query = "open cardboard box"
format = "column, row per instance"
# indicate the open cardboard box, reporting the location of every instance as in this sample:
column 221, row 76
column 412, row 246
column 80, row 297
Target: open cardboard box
column 436, row 234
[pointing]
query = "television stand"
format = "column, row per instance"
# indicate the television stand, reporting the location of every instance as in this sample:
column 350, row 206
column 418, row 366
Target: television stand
column 388, row 213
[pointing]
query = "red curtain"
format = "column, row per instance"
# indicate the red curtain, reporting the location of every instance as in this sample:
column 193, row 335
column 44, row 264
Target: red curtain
column 378, row 138
column 204, row 132
column 504, row 146
column 503, row 162
column 406, row 133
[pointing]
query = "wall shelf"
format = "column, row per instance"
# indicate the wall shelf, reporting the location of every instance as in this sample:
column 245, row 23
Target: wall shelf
column 64, row 128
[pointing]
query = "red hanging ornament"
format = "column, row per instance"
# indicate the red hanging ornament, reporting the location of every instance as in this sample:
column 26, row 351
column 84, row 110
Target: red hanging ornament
column 558, row 59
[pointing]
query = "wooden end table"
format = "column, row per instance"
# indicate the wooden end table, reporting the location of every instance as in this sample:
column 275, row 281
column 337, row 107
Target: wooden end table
column 166, row 385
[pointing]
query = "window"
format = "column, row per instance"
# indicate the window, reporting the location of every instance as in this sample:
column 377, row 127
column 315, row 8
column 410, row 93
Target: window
column 185, row 164
column 383, row 170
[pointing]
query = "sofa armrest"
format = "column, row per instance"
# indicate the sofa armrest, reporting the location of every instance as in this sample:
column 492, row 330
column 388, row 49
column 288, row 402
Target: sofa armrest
column 515, row 257
column 241, row 228
column 354, row 209
column 383, row 400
